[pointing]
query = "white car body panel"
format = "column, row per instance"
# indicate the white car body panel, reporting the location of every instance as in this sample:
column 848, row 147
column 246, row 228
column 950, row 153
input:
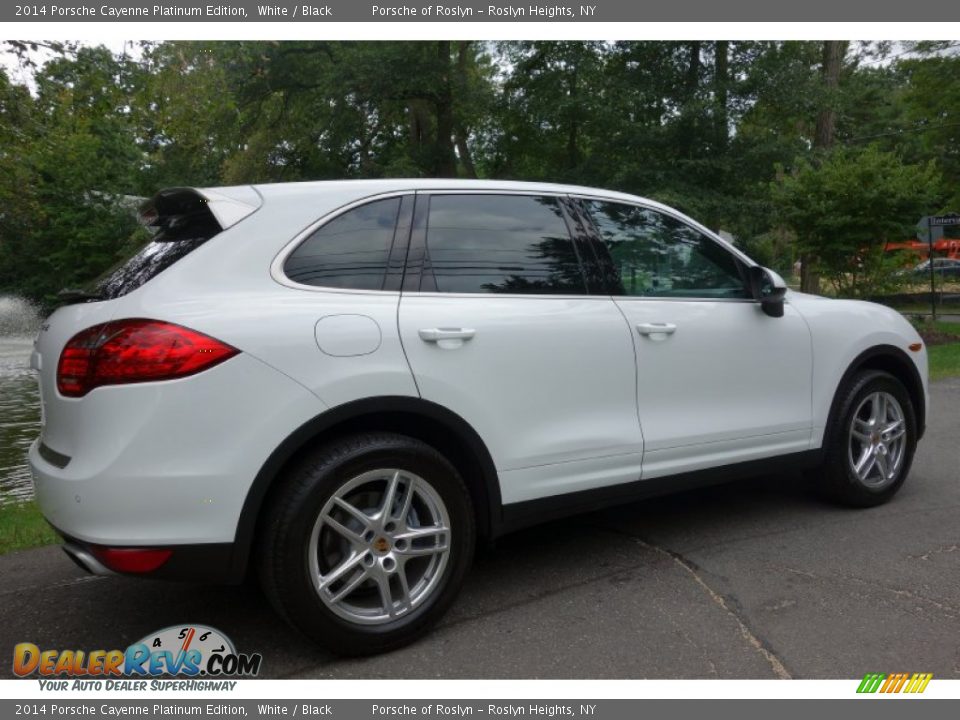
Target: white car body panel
column 166, row 463
column 730, row 384
column 544, row 381
column 840, row 331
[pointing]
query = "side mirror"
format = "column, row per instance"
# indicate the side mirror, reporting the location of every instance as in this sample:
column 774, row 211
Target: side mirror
column 769, row 289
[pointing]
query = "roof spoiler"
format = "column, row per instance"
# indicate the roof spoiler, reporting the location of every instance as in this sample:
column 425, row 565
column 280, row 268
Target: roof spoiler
column 173, row 207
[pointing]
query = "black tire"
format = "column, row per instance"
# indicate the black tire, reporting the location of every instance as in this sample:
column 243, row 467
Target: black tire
column 836, row 478
column 284, row 540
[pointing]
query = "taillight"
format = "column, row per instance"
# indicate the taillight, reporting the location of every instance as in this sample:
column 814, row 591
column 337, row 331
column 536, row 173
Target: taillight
column 134, row 351
column 131, row 560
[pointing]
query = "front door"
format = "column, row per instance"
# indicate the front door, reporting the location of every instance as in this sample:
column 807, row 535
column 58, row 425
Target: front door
column 718, row 381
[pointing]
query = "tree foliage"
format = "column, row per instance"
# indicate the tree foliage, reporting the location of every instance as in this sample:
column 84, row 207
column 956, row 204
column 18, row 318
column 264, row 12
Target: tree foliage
column 724, row 130
column 845, row 206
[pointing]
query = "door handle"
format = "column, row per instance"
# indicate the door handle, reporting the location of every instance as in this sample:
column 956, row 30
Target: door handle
column 656, row 328
column 438, row 334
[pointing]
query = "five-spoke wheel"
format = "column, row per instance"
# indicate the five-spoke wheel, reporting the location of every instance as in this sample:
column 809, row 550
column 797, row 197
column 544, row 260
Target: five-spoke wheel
column 366, row 542
column 869, row 442
column 381, row 543
column 878, row 437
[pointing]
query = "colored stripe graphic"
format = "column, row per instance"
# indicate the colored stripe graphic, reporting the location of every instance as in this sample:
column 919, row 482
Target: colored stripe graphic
column 894, row 683
column 871, row 682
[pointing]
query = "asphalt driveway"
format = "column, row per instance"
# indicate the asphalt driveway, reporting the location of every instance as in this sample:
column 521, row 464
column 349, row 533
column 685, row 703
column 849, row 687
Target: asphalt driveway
column 752, row 580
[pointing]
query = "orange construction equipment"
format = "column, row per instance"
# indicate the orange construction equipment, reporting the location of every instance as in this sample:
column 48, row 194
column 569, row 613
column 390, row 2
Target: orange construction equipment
column 942, row 248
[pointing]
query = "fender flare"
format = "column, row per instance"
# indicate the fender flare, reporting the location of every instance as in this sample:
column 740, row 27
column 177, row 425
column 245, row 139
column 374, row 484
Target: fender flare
column 913, row 384
column 489, row 511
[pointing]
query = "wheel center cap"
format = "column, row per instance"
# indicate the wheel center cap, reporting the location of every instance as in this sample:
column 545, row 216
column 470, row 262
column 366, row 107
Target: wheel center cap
column 381, row 545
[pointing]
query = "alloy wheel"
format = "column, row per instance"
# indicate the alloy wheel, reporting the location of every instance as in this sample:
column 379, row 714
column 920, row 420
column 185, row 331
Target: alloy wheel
column 379, row 546
column 877, row 440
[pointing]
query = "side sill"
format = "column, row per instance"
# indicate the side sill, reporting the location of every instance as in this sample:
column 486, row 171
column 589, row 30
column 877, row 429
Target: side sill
column 517, row 516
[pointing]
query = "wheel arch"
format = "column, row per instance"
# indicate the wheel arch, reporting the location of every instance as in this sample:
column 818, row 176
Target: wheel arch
column 426, row 421
column 890, row 359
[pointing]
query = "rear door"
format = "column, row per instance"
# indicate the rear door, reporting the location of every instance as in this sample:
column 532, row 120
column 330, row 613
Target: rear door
column 498, row 326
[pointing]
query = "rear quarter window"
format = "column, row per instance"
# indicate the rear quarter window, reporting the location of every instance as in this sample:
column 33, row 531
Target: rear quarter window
column 352, row 251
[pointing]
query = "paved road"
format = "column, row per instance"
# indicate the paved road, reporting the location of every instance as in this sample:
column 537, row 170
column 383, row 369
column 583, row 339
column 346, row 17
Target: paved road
column 752, row 580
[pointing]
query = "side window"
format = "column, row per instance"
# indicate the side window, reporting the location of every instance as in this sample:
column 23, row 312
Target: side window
column 656, row 255
column 350, row 251
column 499, row 244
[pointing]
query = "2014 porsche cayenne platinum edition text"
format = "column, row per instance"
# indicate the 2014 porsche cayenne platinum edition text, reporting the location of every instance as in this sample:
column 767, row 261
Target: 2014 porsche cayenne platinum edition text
column 343, row 387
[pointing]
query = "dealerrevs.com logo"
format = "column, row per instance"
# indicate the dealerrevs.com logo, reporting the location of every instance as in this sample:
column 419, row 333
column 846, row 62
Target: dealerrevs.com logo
column 187, row 651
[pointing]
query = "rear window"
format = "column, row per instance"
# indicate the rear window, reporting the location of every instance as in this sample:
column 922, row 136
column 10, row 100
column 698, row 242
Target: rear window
column 177, row 223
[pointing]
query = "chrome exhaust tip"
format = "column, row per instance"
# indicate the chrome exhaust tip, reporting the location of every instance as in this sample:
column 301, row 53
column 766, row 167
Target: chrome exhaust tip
column 85, row 559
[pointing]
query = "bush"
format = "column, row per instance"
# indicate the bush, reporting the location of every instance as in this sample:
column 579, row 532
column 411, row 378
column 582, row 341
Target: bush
column 845, row 205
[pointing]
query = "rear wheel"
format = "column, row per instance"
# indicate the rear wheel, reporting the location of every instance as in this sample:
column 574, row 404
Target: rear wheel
column 367, row 542
column 871, row 441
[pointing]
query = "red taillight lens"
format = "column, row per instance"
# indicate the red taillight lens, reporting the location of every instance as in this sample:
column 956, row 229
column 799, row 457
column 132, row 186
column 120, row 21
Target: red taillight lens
column 131, row 560
column 133, row 351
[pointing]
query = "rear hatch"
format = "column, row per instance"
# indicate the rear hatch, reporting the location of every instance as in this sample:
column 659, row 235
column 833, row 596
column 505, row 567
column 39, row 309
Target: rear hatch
column 178, row 221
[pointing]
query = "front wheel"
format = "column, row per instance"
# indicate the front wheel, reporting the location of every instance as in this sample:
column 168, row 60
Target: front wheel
column 367, row 542
column 870, row 443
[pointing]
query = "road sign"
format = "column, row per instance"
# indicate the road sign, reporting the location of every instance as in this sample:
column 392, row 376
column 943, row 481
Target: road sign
column 925, row 232
column 944, row 220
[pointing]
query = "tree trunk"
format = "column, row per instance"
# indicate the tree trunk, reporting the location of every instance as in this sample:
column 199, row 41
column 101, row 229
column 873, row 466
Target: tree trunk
column 461, row 134
column 573, row 129
column 693, row 69
column 418, row 125
column 833, row 52
column 721, row 72
column 446, row 161
column 463, row 150
column 688, row 122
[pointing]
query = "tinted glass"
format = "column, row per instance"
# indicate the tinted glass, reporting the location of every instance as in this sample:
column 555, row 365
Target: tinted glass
column 186, row 225
column 500, row 244
column 350, row 251
column 657, row 255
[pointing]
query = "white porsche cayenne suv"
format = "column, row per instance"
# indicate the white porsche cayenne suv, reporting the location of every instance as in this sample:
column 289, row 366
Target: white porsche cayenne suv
column 344, row 386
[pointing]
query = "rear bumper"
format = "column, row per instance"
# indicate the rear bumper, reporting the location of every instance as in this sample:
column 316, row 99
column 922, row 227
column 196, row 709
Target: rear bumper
column 208, row 563
column 166, row 464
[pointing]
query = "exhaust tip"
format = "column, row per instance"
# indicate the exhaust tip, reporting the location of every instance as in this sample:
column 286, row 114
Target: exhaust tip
column 85, row 560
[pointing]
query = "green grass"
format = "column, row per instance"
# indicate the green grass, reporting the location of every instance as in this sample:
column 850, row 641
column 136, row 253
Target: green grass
column 944, row 358
column 944, row 361
column 947, row 327
column 22, row 526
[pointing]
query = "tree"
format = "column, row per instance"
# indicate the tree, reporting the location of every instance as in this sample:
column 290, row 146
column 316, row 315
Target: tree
column 931, row 101
column 845, row 208
column 717, row 129
column 833, row 52
column 68, row 159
